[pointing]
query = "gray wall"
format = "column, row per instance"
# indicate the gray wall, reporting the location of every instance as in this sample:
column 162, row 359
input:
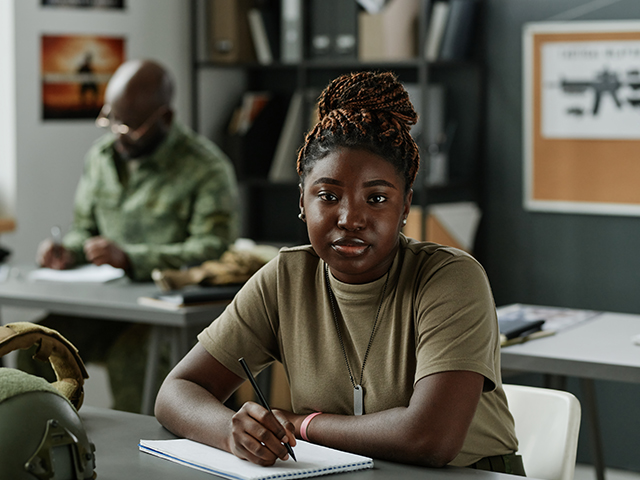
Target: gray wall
column 579, row 261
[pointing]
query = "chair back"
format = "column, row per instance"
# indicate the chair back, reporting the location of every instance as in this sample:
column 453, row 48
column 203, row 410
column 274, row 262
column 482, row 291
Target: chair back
column 547, row 426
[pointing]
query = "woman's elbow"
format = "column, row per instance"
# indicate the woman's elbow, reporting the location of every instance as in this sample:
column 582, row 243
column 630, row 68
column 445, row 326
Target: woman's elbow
column 432, row 449
column 163, row 405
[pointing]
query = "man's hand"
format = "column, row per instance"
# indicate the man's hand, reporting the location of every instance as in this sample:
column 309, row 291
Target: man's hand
column 100, row 251
column 258, row 435
column 53, row 255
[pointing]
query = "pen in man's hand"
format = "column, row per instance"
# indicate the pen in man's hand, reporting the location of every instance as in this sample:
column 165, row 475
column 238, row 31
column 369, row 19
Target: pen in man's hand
column 262, row 399
column 56, row 236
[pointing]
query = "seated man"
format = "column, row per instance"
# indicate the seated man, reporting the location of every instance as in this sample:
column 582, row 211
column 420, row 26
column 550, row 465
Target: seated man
column 153, row 194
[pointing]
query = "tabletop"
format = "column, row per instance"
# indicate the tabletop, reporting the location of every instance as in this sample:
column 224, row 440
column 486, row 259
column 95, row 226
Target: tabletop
column 114, row 300
column 601, row 348
column 116, row 436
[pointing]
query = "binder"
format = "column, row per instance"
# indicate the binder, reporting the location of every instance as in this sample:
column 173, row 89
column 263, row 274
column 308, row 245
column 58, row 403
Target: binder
column 291, row 37
column 270, row 15
column 435, row 32
column 321, row 32
column 333, row 27
column 459, row 31
column 230, row 35
column 259, row 37
column 345, row 37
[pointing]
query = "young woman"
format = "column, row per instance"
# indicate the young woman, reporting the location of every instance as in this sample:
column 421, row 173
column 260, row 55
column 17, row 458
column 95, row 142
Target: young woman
column 395, row 341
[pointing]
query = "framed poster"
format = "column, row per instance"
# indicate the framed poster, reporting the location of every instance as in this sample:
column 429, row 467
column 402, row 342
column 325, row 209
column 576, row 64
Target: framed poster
column 116, row 4
column 75, row 70
column 582, row 117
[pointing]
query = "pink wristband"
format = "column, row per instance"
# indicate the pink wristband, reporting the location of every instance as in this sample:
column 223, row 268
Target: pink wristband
column 305, row 424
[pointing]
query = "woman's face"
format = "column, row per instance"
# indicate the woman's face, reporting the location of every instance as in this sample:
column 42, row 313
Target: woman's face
column 354, row 204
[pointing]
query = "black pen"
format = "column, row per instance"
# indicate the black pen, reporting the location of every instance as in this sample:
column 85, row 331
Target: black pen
column 263, row 400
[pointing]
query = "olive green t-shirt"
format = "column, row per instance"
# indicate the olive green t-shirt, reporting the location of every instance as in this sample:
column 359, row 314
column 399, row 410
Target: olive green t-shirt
column 437, row 315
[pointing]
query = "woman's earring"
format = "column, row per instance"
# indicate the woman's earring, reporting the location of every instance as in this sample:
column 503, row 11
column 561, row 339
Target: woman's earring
column 302, row 216
column 404, row 221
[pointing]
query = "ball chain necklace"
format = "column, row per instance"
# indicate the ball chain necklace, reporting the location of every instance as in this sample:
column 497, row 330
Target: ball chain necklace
column 358, row 392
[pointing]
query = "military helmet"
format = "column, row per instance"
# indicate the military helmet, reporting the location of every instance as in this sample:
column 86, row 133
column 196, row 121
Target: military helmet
column 41, row 434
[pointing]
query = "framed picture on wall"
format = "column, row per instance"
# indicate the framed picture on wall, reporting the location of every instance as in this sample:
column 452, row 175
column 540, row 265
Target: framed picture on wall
column 117, row 4
column 582, row 117
column 75, row 72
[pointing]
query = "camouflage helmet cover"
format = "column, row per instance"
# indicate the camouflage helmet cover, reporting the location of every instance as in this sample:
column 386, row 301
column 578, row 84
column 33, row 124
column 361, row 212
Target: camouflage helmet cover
column 41, row 434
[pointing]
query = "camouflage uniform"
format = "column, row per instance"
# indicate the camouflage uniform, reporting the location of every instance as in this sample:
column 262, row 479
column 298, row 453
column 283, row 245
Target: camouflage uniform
column 177, row 207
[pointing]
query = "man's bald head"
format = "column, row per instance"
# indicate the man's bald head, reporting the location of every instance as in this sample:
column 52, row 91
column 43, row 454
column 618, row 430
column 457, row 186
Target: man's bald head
column 143, row 83
column 139, row 95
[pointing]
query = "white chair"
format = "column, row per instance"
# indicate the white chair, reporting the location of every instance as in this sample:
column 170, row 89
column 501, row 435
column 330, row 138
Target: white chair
column 547, row 427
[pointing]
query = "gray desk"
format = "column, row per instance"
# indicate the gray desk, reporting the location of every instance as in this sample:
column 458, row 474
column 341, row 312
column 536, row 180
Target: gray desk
column 116, row 436
column 117, row 301
column 599, row 349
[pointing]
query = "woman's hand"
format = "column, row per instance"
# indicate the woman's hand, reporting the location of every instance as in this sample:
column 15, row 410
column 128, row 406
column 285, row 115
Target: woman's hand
column 258, row 435
column 292, row 418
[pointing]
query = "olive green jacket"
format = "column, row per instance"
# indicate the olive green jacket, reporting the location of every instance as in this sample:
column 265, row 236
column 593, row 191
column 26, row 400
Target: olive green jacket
column 175, row 207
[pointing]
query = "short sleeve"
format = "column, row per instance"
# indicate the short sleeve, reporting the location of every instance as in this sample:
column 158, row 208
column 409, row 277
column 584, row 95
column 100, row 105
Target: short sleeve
column 456, row 324
column 248, row 327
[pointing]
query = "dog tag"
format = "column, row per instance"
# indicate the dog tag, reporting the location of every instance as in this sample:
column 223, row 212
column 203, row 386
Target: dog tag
column 358, row 400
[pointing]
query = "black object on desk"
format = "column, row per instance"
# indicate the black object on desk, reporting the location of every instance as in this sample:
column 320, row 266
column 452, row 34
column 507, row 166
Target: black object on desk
column 517, row 327
column 4, row 253
column 203, row 294
column 177, row 299
column 262, row 399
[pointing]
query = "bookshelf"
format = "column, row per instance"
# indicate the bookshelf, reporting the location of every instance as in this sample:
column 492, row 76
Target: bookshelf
column 269, row 209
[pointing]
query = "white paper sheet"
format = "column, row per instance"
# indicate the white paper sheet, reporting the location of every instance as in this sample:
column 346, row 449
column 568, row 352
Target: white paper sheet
column 86, row 273
column 313, row 460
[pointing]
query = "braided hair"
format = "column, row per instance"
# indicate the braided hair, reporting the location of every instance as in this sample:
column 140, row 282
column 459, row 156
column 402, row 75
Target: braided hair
column 368, row 110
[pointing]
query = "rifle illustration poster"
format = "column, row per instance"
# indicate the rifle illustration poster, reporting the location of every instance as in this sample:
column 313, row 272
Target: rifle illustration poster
column 582, row 117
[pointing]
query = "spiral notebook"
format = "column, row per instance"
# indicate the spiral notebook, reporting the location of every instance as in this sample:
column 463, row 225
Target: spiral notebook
column 313, row 460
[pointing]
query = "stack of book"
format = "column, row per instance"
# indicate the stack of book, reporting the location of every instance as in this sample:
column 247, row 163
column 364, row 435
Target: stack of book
column 520, row 323
column 518, row 330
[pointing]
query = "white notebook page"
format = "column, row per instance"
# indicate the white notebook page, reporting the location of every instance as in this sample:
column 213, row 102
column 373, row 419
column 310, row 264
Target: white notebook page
column 313, row 460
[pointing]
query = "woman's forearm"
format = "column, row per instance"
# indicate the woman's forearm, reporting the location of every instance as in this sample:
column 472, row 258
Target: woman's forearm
column 430, row 431
column 188, row 410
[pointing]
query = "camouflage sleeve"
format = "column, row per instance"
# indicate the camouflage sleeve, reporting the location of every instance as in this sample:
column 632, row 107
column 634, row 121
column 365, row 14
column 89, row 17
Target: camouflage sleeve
column 212, row 228
column 84, row 223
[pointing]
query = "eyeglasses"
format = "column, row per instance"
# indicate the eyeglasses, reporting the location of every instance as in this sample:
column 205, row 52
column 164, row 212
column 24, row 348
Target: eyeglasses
column 117, row 128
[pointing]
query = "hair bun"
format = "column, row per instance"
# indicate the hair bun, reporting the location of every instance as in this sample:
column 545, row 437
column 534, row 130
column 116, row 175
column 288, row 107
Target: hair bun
column 379, row 93
column 368, row 110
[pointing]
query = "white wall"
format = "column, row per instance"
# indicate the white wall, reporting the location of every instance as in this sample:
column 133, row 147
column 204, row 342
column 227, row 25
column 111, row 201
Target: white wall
column 7, row 110
column 48, row 156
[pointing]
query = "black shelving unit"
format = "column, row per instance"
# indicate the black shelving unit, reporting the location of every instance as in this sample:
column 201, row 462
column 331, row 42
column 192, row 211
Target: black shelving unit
column 269, row 210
